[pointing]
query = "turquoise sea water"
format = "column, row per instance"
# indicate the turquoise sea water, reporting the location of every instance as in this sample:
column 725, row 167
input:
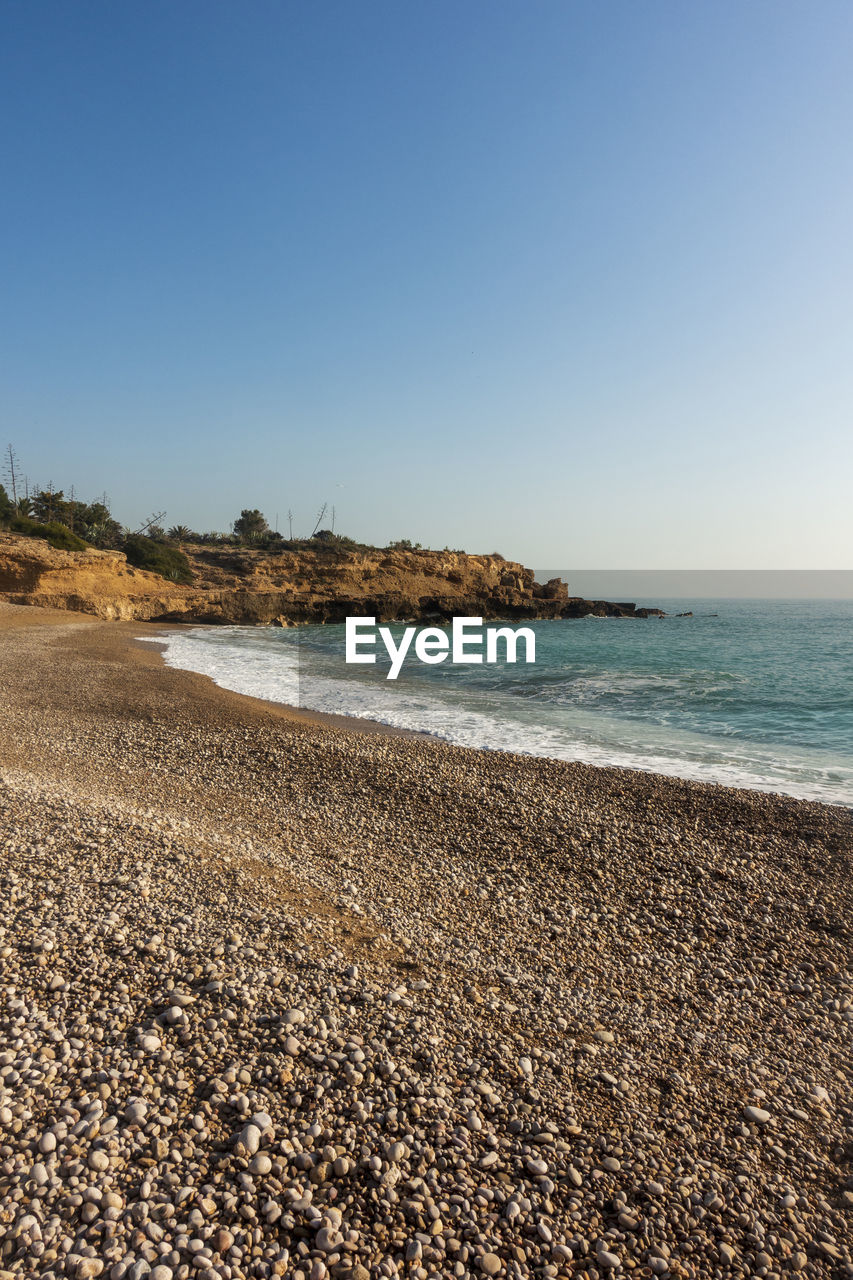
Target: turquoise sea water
column 748, row 693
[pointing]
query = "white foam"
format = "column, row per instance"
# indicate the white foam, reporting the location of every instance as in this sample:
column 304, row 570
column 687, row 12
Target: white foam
column 230, row 658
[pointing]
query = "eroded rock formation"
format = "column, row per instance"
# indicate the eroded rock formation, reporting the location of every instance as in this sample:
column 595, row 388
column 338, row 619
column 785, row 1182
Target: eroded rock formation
column 322, row 584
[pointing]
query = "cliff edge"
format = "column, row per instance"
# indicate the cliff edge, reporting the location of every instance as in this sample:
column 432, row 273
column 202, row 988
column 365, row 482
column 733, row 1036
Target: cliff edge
column 322, row 584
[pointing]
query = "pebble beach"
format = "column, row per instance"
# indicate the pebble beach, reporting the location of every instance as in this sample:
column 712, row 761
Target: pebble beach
column 281, row 996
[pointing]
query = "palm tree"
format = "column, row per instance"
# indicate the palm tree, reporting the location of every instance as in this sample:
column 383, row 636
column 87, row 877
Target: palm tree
column 179, row 533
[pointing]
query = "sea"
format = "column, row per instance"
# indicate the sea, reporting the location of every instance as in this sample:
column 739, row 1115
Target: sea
column 748, row 693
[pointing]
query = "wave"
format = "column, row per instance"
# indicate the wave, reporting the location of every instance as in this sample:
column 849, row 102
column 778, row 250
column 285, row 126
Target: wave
column 609, row 685
column 236, row 659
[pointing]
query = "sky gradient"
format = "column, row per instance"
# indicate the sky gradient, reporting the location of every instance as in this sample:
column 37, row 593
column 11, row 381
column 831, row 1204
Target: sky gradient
column 564, row 280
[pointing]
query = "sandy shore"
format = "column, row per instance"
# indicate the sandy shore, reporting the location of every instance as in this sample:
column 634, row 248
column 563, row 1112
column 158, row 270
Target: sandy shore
column 283, row 997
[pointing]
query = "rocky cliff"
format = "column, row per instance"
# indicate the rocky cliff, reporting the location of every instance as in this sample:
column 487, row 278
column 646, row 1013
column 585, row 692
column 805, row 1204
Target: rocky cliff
column 322, row 584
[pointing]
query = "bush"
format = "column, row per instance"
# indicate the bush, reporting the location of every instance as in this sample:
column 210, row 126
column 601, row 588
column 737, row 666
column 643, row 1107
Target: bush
column 250, row 525
column 57, row 535
column 157, row 557
column 106, row 536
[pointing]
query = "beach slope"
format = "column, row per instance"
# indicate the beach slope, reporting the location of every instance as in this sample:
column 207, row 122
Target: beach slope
column 282, row 997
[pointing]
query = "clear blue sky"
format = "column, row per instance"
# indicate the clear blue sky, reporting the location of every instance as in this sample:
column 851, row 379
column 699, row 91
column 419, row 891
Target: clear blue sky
column 573, row 281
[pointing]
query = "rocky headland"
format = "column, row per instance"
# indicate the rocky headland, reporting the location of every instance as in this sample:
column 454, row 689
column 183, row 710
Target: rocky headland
column 315, row 584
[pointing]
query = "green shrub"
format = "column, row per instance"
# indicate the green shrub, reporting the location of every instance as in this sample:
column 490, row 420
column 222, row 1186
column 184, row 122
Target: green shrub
column 250, row 525
column 58, row 535
column 157, row 557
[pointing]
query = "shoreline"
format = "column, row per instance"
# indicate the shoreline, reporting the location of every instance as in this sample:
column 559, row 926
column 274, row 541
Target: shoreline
column 303, row 715
column 148, row 653
column 363, row 724
column 286, row 998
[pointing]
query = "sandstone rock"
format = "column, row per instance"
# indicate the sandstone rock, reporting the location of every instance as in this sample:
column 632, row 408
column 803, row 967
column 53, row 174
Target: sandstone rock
column 281, row 588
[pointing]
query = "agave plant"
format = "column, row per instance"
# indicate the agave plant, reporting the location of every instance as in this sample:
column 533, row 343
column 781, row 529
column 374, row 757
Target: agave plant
column 94, row 533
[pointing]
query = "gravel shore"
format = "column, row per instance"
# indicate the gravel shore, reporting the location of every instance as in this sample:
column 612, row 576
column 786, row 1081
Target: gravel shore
column 280, row 997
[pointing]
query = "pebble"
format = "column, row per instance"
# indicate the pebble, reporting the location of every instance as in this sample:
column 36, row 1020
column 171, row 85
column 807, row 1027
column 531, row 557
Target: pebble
column 519, row 1059
column 607, row 1259
column 247, row 1140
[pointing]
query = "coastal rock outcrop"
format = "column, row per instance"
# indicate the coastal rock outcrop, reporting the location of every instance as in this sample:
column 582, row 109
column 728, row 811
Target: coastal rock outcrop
column 316, row 584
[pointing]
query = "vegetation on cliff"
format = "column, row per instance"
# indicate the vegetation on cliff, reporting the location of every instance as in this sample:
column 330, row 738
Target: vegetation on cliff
column 169, row 562
column 56, row 535
column 71, row 524
column 7, row 510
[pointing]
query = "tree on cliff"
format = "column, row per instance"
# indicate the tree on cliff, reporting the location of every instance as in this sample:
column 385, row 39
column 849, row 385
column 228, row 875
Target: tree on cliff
column 91, row 520
column 250, row 525
column 6, row 507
